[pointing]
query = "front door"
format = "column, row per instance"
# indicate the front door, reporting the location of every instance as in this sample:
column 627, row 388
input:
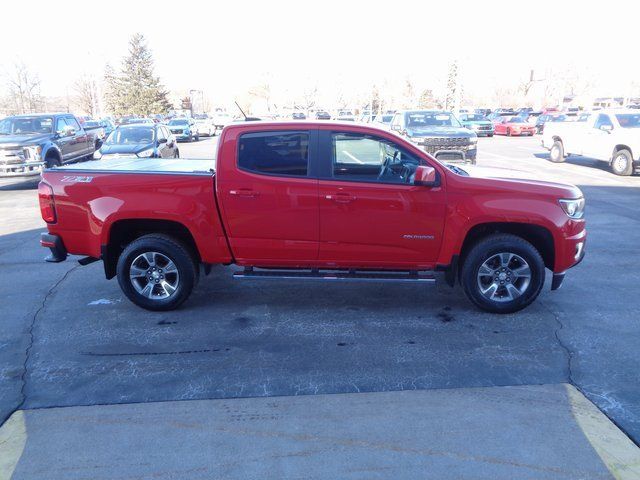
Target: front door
column 371, row 214
column 269, row 198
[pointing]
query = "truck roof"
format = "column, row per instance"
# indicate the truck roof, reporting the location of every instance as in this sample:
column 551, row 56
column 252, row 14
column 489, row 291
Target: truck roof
column 144, row 165
column 299, row 124
column 31, row 115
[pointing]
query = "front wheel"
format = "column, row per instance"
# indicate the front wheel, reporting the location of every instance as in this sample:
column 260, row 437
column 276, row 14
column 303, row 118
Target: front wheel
column 622, row 163
column 502, row 273
column 157, row 272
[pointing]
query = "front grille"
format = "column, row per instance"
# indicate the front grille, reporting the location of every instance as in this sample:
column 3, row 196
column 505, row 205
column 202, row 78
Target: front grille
column 450, row 156
column 484, row 127
column 176, row 131
column 447, row 142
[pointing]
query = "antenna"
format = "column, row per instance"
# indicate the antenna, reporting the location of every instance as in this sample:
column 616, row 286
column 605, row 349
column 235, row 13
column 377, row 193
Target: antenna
column 241, row 111
column 246, row 119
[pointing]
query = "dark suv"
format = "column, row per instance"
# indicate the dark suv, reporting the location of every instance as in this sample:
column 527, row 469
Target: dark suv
column 438, row 133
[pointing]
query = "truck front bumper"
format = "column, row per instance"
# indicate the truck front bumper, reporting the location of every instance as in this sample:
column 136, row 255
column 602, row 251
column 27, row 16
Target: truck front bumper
column 24, row 169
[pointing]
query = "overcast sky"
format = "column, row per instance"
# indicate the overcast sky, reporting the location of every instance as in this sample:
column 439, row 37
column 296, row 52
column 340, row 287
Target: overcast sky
column 223, row 47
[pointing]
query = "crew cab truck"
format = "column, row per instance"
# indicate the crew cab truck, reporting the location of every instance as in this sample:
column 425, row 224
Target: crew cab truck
column 612, row 136
column 312, row 200
column 29, row 143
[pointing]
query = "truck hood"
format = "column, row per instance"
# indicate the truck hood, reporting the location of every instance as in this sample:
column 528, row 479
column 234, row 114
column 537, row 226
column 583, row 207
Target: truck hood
column 23, row 140
column 132, row 148
column 440, row 132
column 490, row 178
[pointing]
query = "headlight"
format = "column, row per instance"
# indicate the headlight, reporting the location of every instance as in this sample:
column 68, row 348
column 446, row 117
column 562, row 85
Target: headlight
column 34, row 152
column 145, row 153
column 574, row 208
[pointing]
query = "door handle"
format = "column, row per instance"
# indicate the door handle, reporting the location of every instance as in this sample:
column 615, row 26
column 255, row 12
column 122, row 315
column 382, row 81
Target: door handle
column 341, row 198
column 244, row 192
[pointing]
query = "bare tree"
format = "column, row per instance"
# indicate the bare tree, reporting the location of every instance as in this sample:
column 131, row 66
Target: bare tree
column 23, row 88
column 86, row 95
column 453, row 93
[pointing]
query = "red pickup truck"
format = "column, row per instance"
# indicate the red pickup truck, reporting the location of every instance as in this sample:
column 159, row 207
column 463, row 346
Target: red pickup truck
column 312, row 200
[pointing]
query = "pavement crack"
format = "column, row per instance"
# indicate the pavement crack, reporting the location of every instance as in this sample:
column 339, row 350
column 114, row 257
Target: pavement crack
column 568, row 352
column 23, row 377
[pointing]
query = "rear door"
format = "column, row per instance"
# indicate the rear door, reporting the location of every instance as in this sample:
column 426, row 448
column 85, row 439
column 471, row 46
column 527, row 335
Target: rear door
column 370, row 212
column 65, row 143
column 269, row 196
column 79, row 144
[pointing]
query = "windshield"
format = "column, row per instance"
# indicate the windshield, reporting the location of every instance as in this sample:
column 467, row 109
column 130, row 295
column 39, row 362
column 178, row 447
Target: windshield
column 131, row 135
column 179, row 121
column 516, row 120
column 92, row 124
column 629, row 120
column 26, row 125
column 435, row 119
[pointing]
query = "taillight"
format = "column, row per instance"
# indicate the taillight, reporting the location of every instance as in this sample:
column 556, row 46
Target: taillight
column 47, row 205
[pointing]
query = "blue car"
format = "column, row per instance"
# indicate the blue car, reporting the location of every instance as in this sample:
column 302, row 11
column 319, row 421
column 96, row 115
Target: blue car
column 184, row 129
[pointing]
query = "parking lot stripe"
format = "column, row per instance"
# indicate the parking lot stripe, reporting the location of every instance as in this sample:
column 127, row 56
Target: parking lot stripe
column 13, row 438
column 617, row 451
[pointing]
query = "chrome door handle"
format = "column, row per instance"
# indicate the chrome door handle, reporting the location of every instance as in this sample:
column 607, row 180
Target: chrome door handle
column 244, row 193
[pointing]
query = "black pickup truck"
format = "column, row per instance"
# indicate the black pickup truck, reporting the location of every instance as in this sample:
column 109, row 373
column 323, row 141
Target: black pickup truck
column 29, row 143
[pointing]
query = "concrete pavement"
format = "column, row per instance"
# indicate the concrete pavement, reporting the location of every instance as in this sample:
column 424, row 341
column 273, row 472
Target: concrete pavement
column 534, row 432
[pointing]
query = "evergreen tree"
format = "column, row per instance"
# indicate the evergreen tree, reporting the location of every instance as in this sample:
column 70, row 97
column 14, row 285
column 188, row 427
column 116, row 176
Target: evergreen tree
column 453, row 94
column 136, row 90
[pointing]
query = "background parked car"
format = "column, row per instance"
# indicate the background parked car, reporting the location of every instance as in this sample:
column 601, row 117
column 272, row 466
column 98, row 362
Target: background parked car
column 141, row 140
column 205, row 127
column 477, row 123
column 384, row 119
column 31, row 142
column 322, row 115
column 437, row 132
column 298, row 116
column 184, row 129
column 513, row 125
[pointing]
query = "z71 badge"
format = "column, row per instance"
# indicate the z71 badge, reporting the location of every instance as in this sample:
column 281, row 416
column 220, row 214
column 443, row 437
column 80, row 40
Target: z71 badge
column 76, row 179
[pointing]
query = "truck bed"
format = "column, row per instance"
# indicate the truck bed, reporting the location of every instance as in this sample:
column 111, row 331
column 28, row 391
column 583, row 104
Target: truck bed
column 130, row 164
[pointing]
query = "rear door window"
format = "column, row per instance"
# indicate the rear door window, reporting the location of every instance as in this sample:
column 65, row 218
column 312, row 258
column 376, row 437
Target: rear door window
column 275, row 153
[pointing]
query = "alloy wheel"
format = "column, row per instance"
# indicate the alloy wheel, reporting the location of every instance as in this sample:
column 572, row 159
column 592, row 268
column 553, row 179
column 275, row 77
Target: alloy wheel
column 154, row 275
column 504, row 277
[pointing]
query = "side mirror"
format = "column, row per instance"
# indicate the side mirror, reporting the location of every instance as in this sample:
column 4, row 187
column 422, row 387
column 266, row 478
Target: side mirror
column 162, row 140
column 67, row 131
column 426, row 176
column 606, row 128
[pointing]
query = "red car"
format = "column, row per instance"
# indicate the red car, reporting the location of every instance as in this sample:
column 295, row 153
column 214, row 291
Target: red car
column 312, row 200
column 510, row 126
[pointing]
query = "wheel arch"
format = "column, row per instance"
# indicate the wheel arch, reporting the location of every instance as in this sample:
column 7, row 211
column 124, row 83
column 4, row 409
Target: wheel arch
column 540, row 237
column 123, row 232
column 620, row 147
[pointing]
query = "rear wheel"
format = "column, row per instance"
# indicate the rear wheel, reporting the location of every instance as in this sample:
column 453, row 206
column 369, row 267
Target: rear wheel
column 502, row 273
column 622, row 163
column 508, row 132
column 556, row 155
column 157, row 272
column 176, row 154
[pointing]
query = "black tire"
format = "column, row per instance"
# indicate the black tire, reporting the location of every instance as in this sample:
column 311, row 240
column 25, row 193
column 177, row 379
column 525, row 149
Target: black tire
column 622, row 163
column 490, row 135
column 504, row 300
column 556, row 154
column 197, row 137
column 52, row 161
column 508, row 132
column 186, row 267
column 176, row 154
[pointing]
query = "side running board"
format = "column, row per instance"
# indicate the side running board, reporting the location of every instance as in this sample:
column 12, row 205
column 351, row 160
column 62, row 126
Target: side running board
column 337, row 275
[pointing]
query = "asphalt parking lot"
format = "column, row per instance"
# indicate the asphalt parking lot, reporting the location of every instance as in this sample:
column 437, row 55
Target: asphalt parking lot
column 68, row 337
